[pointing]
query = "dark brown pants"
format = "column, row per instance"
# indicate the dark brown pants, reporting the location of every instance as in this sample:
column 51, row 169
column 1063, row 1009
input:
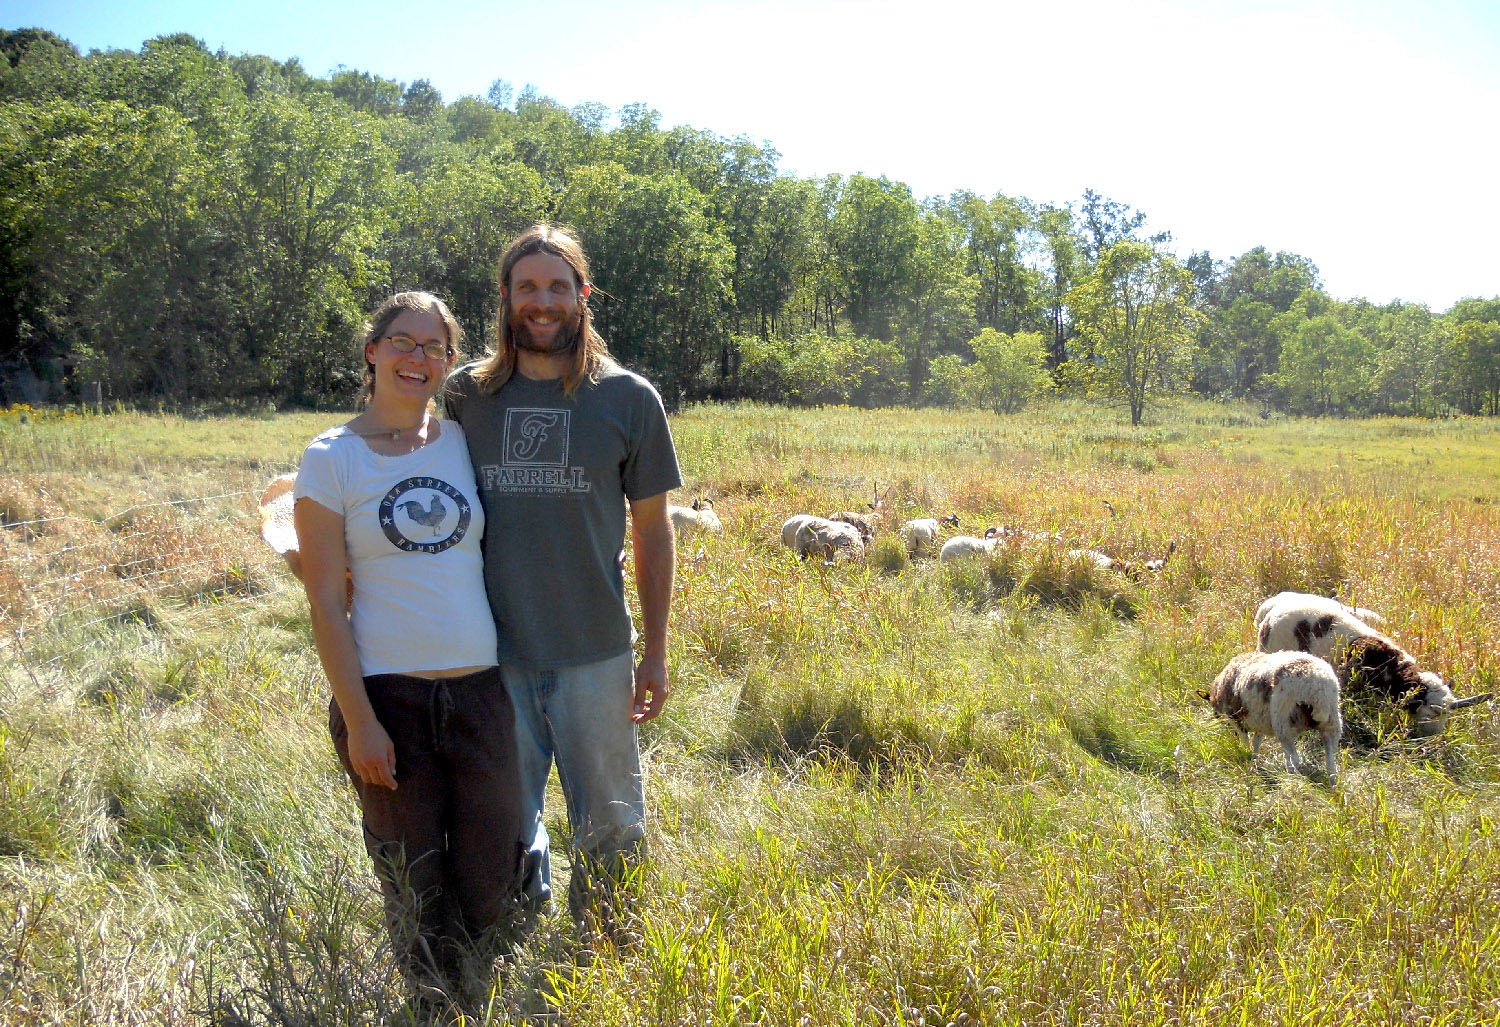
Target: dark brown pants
column 445, row 841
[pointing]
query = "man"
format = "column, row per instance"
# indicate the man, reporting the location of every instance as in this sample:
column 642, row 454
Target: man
column 562, row 439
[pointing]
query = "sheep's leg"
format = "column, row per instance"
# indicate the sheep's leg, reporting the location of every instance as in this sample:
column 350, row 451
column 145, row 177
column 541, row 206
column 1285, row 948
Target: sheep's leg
column 1289, row 747
column 1330, row 756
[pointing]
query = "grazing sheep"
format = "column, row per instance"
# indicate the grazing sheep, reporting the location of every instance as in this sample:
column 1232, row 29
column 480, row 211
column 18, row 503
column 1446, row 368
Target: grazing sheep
column 829, row 539
column 1101, row 561
column 961, row 547
column 1310, row 602
column 1367, row 662
column 920, row 536
column 1281, row 694
column 790, row 528
column 865, row 528
column 1159, row 564
column 868, row 520
column 1130, row 568
column 686, row 521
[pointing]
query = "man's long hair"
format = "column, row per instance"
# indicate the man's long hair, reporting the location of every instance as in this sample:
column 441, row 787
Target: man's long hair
column 589, row 353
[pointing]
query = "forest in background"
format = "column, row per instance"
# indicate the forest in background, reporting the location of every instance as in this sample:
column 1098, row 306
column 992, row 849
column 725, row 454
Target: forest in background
column 182, row 226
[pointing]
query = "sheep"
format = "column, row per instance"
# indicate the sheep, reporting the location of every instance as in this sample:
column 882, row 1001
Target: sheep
column 920, row 536
column 791, row 526
column 686, row 521
column 865, row 528
column 1159, row 564
column 961, row 547
column 1101, row 561
column 951, row 521
column 1130, row 568
column 829, row 538
column 1311, row 602
column 1367, row 662
column 1281, row 694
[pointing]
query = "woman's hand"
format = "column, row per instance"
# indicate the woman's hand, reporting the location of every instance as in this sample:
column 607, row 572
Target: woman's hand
column 371, row 753
column 325, row 574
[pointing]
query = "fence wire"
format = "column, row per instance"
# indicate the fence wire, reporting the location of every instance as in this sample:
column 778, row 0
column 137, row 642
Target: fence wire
column 79, row 594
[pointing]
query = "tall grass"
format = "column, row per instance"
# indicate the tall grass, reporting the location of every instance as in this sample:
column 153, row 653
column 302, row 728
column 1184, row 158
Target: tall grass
column 883, row 793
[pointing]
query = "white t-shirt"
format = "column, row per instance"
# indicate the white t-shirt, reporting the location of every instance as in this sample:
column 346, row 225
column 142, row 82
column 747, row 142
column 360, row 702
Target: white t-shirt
column 412, row 528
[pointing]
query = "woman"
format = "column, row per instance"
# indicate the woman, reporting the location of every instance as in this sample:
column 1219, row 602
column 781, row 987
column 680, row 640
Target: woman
column 420, row 718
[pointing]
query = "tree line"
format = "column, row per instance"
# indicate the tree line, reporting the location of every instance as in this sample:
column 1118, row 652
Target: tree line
column 184, row 225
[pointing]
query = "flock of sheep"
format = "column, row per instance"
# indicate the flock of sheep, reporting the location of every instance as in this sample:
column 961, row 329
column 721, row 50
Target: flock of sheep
column 1313, row 650
column 847, row 536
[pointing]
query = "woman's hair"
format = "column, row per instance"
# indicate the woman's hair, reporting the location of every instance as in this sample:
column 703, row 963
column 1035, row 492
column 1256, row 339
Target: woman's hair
column 589, row 351
column 392, row 307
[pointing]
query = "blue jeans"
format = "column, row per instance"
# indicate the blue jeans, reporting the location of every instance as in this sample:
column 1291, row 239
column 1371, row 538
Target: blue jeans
column 579, row 716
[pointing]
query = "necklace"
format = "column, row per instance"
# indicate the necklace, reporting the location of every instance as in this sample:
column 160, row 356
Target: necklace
column 392, row 433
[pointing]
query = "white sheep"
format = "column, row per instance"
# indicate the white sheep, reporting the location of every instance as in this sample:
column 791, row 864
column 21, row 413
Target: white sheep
column 1280, row 694
column 686, row 521
column 1100, row 561
column 830, row 539
column 1366, row 661
column 920, row 536
column 962, row 547
column 791, row 526
column 1130, row 568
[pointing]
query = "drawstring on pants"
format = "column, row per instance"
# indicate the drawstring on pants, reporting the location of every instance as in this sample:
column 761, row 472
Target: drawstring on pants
column 439, row 707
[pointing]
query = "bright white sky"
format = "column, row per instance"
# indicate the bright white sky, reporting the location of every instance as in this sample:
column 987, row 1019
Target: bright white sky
column 1361, row 134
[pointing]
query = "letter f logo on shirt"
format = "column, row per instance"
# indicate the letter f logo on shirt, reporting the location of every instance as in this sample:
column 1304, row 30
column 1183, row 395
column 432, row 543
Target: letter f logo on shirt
column 536, row 437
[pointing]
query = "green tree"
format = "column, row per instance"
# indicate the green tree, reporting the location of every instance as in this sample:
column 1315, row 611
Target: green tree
column 1408, row 360
column 874, row 244
column 662, row 268
column 307, row 194
column 1008, row 370
column 1062, row 250
column 1324, row 367
column 1239, row 348
column 1135, row 311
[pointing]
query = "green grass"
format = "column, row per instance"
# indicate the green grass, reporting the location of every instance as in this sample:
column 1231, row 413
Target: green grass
column 883, row 793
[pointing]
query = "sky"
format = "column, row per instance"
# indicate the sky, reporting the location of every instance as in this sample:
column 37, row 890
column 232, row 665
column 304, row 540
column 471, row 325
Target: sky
column 1363, row 135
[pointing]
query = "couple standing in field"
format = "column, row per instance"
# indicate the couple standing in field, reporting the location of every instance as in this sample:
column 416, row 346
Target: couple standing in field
column 484, row 630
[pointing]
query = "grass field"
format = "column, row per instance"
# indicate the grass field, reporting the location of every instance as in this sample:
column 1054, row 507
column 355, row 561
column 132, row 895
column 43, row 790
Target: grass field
column 883, row 793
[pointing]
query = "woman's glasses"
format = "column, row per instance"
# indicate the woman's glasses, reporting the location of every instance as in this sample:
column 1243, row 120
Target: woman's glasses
column 431, row 350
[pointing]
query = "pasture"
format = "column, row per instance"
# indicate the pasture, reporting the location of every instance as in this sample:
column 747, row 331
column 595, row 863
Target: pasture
column 883, row 793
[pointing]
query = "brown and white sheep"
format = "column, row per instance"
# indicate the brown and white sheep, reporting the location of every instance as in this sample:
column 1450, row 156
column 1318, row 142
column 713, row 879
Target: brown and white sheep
column 1367, row 662
column 830, row 539
column 1280, row 694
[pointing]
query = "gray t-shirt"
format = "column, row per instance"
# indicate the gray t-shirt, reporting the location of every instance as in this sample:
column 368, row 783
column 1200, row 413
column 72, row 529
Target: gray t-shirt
column 554, row 474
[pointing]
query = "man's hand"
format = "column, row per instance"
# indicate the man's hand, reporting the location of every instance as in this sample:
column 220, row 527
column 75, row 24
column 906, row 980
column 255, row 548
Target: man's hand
column 651, row 688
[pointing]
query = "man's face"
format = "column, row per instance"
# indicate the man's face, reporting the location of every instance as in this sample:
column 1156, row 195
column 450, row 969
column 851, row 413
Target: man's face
column 546, row 304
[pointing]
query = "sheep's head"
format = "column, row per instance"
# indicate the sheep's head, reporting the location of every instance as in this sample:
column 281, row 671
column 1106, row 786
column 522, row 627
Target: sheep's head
column 1429, row 706
column 951, row 520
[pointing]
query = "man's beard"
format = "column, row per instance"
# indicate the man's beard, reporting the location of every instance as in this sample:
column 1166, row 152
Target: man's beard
column 569, row 332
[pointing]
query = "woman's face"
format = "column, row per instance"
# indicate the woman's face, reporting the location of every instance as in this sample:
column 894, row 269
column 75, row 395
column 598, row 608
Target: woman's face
column 414, row 375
